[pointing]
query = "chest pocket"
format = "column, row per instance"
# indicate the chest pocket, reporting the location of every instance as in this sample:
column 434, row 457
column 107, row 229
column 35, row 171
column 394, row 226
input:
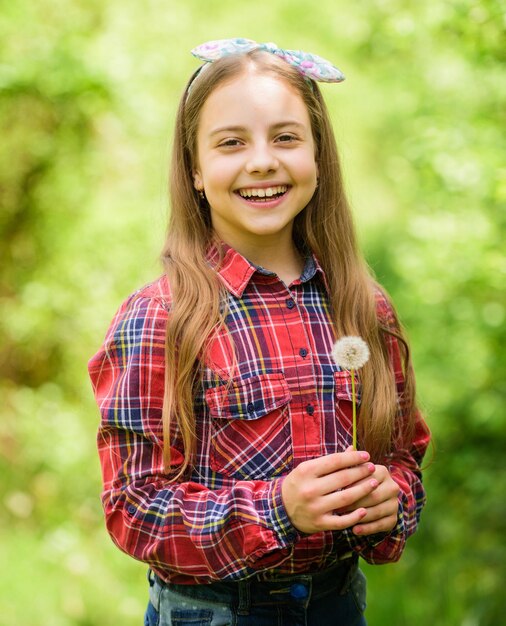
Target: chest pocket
column 251, row 435
column 342, row 380
column 344, row 399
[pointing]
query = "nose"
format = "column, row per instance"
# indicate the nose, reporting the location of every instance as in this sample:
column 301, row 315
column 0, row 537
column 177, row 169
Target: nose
column 261, row 159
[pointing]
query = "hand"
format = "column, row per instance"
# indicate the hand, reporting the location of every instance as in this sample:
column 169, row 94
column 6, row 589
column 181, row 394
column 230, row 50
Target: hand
column 316, row 489
column 381, row 505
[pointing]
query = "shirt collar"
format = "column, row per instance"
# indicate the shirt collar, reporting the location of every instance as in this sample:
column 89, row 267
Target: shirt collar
column 235, row 271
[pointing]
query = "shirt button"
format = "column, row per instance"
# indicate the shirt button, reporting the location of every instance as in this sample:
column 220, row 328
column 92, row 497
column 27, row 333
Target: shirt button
column 303, row 353
column 310, row 409
column 290, row 303
column 299, row 591
column 251, row 407
column 131, row 509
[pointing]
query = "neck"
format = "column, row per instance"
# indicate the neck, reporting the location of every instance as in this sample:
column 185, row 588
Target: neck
column 285, row 261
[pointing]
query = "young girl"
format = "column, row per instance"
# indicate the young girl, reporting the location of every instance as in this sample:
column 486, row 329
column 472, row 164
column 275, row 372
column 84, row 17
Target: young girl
column 226, row 424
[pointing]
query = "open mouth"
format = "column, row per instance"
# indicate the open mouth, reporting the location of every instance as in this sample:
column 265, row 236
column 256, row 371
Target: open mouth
column 266, row 194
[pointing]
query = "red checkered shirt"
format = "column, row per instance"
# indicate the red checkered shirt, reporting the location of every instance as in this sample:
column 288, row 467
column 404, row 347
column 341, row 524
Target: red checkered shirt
column 288, row 402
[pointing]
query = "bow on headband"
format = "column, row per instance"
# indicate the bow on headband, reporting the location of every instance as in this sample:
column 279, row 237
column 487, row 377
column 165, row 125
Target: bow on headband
column 309, row 65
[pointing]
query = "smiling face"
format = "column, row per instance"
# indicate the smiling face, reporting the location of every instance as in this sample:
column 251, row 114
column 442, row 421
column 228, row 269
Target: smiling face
column 255, row 160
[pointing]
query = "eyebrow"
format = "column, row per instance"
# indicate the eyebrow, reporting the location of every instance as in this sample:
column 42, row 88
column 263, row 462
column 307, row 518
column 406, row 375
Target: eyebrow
column 238, row 129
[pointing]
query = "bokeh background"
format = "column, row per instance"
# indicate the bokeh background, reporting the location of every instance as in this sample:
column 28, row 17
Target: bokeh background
column 88, row 91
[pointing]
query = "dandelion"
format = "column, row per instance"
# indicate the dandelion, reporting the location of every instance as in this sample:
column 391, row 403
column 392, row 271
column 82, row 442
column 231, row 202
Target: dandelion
column 351, row 353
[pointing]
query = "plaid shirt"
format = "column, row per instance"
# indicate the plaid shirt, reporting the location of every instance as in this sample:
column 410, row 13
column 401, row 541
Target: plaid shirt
column 288, row 402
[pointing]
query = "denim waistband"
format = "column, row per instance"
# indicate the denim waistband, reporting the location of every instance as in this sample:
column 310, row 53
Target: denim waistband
column 299, row 588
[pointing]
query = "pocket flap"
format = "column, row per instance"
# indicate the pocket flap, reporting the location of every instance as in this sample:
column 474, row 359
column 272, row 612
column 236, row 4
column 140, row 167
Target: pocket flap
column 248, row 398
column 343, row 385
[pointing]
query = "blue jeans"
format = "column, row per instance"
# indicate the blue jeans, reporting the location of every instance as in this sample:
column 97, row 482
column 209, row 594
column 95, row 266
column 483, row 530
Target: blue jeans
column 333, row 597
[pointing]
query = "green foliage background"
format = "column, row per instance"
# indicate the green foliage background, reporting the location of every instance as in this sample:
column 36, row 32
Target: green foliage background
column 88, row 91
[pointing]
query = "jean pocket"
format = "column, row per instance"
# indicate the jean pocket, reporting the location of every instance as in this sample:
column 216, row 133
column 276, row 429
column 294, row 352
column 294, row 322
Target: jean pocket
column 179, row 609
column 251, row 436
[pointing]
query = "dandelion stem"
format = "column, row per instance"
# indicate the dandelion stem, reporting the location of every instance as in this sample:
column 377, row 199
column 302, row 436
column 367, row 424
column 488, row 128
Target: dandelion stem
column 354, row 402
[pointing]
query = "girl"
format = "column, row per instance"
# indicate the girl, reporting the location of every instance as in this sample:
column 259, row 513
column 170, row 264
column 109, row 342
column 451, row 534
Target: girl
column 226, row 425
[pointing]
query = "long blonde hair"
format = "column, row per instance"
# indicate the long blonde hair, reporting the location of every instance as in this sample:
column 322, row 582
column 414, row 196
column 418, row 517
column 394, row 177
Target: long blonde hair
column 324, row 227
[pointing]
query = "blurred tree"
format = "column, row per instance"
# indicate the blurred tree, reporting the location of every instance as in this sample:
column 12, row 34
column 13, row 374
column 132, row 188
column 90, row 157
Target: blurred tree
column 445, row 266
column 47, row 130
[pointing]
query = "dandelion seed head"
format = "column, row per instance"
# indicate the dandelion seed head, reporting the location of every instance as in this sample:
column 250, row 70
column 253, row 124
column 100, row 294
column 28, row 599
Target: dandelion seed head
column 350, row 352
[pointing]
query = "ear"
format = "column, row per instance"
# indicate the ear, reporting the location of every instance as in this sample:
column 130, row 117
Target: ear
column 197, row 181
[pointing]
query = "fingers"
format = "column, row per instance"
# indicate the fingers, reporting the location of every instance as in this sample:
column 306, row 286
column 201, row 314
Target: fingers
column 325, row 465
column 348, row 499
column 316, row 488
column 344, row 478
column 330, row 521
column 387, row 488
column 382, row 493
column 370, row 485
column 341, row 491
column 334, row 511
column 377, row 519
column 381, row 505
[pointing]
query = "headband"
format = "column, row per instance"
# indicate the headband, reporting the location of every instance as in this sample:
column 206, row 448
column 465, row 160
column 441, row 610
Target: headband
column 309, row 65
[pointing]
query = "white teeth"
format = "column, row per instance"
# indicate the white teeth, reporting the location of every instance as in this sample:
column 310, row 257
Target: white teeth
column 262, row 193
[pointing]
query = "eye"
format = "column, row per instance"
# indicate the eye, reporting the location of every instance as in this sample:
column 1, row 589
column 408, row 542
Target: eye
column 229, row 143
column 286, row 138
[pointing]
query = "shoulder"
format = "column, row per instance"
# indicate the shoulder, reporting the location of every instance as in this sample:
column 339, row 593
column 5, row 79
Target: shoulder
column 155, row 296
column 137, row 330
column 143, row 311
column 157, row 292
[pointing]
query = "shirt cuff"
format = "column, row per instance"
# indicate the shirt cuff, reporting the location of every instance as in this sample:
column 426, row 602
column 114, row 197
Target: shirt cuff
column 278, row 517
